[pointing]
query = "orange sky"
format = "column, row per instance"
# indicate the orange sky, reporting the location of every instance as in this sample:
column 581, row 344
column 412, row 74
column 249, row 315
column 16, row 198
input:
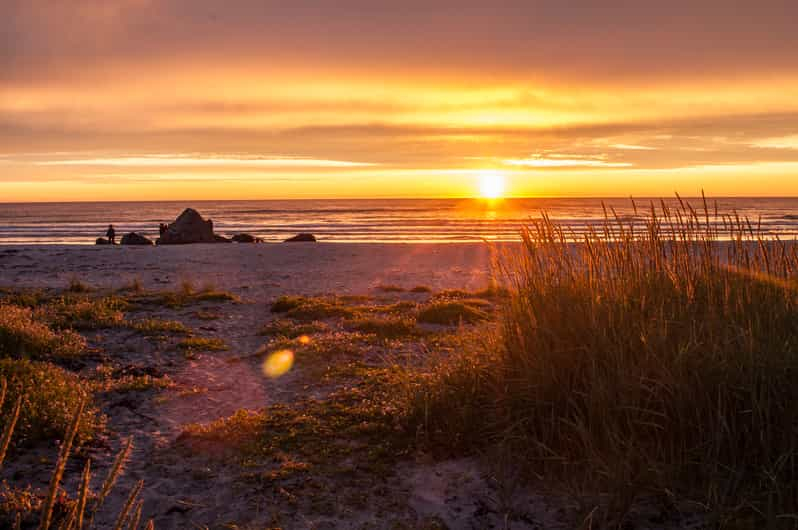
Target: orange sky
column 179, row 99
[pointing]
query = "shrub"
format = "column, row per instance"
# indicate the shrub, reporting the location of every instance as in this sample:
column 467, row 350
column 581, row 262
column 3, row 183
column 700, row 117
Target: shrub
column 51, row 396
column 23, row 336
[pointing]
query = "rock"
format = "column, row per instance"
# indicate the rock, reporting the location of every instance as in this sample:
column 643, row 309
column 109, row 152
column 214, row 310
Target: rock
column 102, row 241
column 220, row 239
column 135, row 239
column 189, row 227
column 246, row 238
column 301, row 238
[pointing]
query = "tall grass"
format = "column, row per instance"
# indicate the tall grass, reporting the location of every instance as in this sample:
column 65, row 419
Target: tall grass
column 649, row 357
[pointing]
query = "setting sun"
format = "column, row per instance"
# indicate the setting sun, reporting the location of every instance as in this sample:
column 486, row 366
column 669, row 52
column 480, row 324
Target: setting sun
column 491, row 185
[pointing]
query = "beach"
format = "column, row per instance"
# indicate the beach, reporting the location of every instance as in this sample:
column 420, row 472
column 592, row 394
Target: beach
column 263, row 271
column 194, row 486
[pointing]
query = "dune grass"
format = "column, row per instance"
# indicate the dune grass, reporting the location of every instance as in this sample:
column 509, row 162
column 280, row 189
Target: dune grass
column 186, row 294
column 291, row 330
column 81, row 312
column 654, row 360
column 308, row 309
column 24, row 336
column 156, row 326
column 202, row 344
column 447, row 313
column 385, row 327
column 49, row 396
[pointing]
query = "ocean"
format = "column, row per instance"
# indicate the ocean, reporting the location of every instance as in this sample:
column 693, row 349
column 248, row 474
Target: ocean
column 362, row 220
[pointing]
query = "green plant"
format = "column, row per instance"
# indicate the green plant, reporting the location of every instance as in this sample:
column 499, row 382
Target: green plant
column 49, row 396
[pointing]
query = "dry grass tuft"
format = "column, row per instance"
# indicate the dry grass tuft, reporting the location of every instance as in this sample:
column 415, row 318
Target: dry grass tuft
column 202, row 344
column 448, row 313
column 385, row 327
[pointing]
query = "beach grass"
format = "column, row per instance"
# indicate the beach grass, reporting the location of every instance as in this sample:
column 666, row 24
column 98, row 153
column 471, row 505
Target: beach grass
column 49, row 396
column 659, row 361
column 207, row 344
column 447, row 313
column 23, row 335
column 385, row 327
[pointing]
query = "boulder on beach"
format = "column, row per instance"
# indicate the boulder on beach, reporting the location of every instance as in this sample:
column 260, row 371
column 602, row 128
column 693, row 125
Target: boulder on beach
column 301, row 238
column 246, row 238
column 189, row 227
column 101, row 241
column 221, row 239
column 135, row 239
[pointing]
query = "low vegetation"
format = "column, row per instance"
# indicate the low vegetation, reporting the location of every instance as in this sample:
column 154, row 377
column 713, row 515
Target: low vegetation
column 24, row 336
column 382, row 327
column 49, row 396
column 155, row 326
column 357, row 423
column 447, row 313
column 202, row 344
column 308, row 309
column 82, row 312
column 186, row 294
column 644, row 361
column 291, row 330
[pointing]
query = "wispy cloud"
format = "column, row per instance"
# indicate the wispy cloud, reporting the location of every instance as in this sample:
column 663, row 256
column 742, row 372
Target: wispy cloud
column 784, row 142
column 193, row 161
column 565, row 161
column 632, row 147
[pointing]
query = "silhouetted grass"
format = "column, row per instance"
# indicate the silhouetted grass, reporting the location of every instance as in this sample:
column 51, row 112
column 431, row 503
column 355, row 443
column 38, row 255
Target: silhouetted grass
column 652, row 359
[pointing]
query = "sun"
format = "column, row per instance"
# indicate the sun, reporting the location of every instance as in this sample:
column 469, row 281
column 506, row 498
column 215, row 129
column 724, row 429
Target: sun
column 491, row 184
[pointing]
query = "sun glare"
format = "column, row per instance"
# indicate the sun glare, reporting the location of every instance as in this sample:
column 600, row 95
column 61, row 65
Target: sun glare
column 491, row 185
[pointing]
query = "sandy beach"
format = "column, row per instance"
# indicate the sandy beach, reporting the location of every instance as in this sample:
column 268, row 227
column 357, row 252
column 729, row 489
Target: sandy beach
column 262, row 271
column 190, row 488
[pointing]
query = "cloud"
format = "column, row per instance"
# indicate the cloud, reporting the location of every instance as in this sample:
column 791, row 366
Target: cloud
column 565, row 161
column 172, row 160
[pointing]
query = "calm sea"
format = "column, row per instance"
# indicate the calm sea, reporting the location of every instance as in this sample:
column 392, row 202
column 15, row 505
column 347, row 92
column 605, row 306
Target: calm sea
column 385, row 220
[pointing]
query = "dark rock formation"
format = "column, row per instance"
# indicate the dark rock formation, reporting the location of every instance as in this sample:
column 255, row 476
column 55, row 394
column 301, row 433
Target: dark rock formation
column 102, row 241
column 220, row 239
column 301, row 238
column 189, row 227
column 135, row 239
column 246, row 238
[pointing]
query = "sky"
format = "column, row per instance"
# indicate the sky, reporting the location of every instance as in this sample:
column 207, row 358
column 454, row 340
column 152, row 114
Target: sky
column 256, row 99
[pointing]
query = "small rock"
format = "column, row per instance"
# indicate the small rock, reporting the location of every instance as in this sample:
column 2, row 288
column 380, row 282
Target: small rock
column 301, row 238
column 102, row 241
column 135, row 239
column 246, row 238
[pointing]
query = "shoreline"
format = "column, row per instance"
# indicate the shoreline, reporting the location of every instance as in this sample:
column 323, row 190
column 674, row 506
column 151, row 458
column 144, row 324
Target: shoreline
column 261, row 270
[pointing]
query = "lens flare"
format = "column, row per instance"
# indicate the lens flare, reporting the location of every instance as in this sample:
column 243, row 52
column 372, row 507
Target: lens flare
column 304, row 340
column 278, row 363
